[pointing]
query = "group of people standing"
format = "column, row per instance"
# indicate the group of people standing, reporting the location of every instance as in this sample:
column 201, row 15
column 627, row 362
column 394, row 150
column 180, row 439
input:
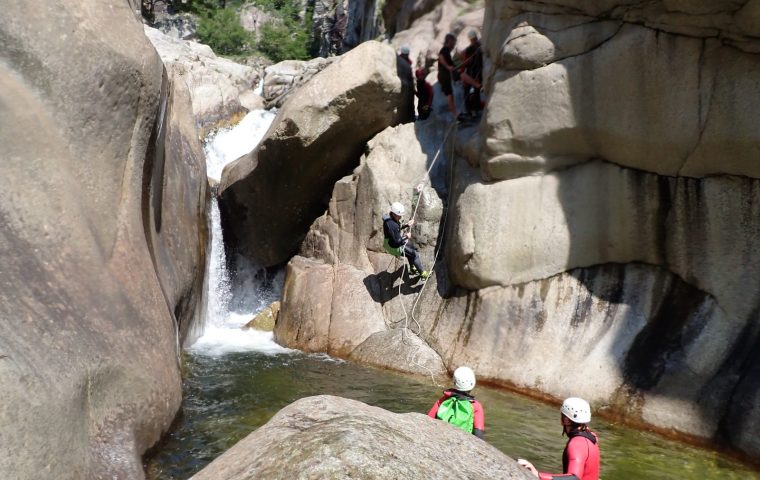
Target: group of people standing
column 581, row 458
column 468, row 71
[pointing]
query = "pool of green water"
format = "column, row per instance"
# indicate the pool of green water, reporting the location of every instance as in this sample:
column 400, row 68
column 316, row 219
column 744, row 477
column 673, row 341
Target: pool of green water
column 227, row 397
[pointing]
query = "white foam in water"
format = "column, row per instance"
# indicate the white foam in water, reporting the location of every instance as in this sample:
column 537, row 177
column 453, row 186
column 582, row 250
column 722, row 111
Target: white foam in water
column 222, row 332
column 227, row 145
column 229, row 337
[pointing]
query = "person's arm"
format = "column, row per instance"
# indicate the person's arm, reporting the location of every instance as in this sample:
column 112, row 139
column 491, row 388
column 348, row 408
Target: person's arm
column 434, row 409
column 577, row 453
column 396, row 239
column 442, row 61
column 479, row 422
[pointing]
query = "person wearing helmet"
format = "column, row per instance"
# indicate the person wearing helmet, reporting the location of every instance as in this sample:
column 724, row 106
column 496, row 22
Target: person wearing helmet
column 404, row 53
column 424, row 95
column 397, row 243
column 581, row 458
column 458, row 407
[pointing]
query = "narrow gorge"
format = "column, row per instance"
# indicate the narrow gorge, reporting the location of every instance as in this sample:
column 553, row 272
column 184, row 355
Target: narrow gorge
column 191, row 244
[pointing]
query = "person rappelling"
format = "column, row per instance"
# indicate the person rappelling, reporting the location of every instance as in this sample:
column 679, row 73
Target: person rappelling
column 398, row 244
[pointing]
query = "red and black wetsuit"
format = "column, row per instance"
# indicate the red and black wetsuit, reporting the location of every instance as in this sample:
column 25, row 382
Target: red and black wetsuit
column 581, row 458
column 425, row 95
column 479, row 421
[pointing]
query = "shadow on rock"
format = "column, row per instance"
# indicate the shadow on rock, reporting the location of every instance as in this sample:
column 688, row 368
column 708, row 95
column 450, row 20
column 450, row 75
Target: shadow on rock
column 384, row 286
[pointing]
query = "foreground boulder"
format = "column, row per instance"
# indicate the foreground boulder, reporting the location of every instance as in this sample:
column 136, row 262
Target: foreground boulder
column 270, row 197
column 333, row 437
column 102, row 238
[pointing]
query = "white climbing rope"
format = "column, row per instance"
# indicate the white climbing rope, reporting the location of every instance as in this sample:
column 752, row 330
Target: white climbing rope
column 420, row 188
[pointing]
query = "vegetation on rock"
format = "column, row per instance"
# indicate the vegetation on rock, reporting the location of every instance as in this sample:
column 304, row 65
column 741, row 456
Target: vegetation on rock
column 286, row 36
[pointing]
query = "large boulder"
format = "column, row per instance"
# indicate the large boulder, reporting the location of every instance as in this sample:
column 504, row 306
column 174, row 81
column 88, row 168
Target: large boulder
column 343, row 294
column 269, row 197
column 102, row 237
column 284, row 78
column 219, row 88
column 333, row 437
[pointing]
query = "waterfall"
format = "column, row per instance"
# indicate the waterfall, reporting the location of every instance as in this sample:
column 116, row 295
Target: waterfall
column 222, row 331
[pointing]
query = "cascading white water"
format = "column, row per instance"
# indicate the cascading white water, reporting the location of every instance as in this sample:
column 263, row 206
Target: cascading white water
column 222, row 332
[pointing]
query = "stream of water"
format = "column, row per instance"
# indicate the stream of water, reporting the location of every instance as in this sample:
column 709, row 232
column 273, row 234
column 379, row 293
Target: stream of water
column 236, row 380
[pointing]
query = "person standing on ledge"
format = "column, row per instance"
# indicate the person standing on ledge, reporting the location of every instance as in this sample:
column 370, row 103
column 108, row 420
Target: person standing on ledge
column 458, row 407
column 397, row 244
column 446, row 71
column 581, row 458
column 424, row 92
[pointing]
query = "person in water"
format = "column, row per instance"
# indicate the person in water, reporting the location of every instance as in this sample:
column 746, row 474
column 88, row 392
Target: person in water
column 398, row 244
column 581, row 458
column 458, row 407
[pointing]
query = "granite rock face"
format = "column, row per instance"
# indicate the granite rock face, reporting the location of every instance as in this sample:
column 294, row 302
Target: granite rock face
column 219, row 88
column 333, row 437
column 603, row 214
column 102, row 240
column 343, row 294
column 317, row 136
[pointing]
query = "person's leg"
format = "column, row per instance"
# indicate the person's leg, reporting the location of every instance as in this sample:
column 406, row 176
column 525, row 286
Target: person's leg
column 452, row 107
column 414, row 258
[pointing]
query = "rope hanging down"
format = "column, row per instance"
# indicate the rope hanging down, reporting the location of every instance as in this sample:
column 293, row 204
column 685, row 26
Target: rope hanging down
column 420, row 190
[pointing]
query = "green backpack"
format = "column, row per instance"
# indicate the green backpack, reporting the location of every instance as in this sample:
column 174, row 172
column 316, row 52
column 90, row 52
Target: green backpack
column 457, row 412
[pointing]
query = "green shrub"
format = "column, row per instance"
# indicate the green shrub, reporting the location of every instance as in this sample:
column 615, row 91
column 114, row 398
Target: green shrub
column 221, row 30
column 279, row 41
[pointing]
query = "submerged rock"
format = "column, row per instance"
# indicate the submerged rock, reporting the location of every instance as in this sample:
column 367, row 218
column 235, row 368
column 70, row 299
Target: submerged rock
column 333, row 437
column 269, row 197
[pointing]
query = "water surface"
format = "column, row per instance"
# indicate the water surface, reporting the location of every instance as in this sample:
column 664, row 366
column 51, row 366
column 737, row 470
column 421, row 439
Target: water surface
column 228, row 396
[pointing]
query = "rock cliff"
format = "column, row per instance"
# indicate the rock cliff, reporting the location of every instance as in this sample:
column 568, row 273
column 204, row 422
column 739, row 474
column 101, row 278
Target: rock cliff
column 333, row 437
column 219, row 88
column 601, row 220
column 102, row 240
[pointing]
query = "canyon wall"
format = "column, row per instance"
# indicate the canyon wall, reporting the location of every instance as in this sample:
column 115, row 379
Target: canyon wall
column 599, row 225
column 102, row 240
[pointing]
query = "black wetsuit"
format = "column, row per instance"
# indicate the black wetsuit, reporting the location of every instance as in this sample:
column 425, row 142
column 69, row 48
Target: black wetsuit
column 444, row 75
column 474, row 69
column 392, row 231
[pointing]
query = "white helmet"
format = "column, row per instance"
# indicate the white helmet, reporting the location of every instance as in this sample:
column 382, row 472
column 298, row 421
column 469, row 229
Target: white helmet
column 404, row 49
column 398, row 209
column 464, row 379
column 576, row 409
